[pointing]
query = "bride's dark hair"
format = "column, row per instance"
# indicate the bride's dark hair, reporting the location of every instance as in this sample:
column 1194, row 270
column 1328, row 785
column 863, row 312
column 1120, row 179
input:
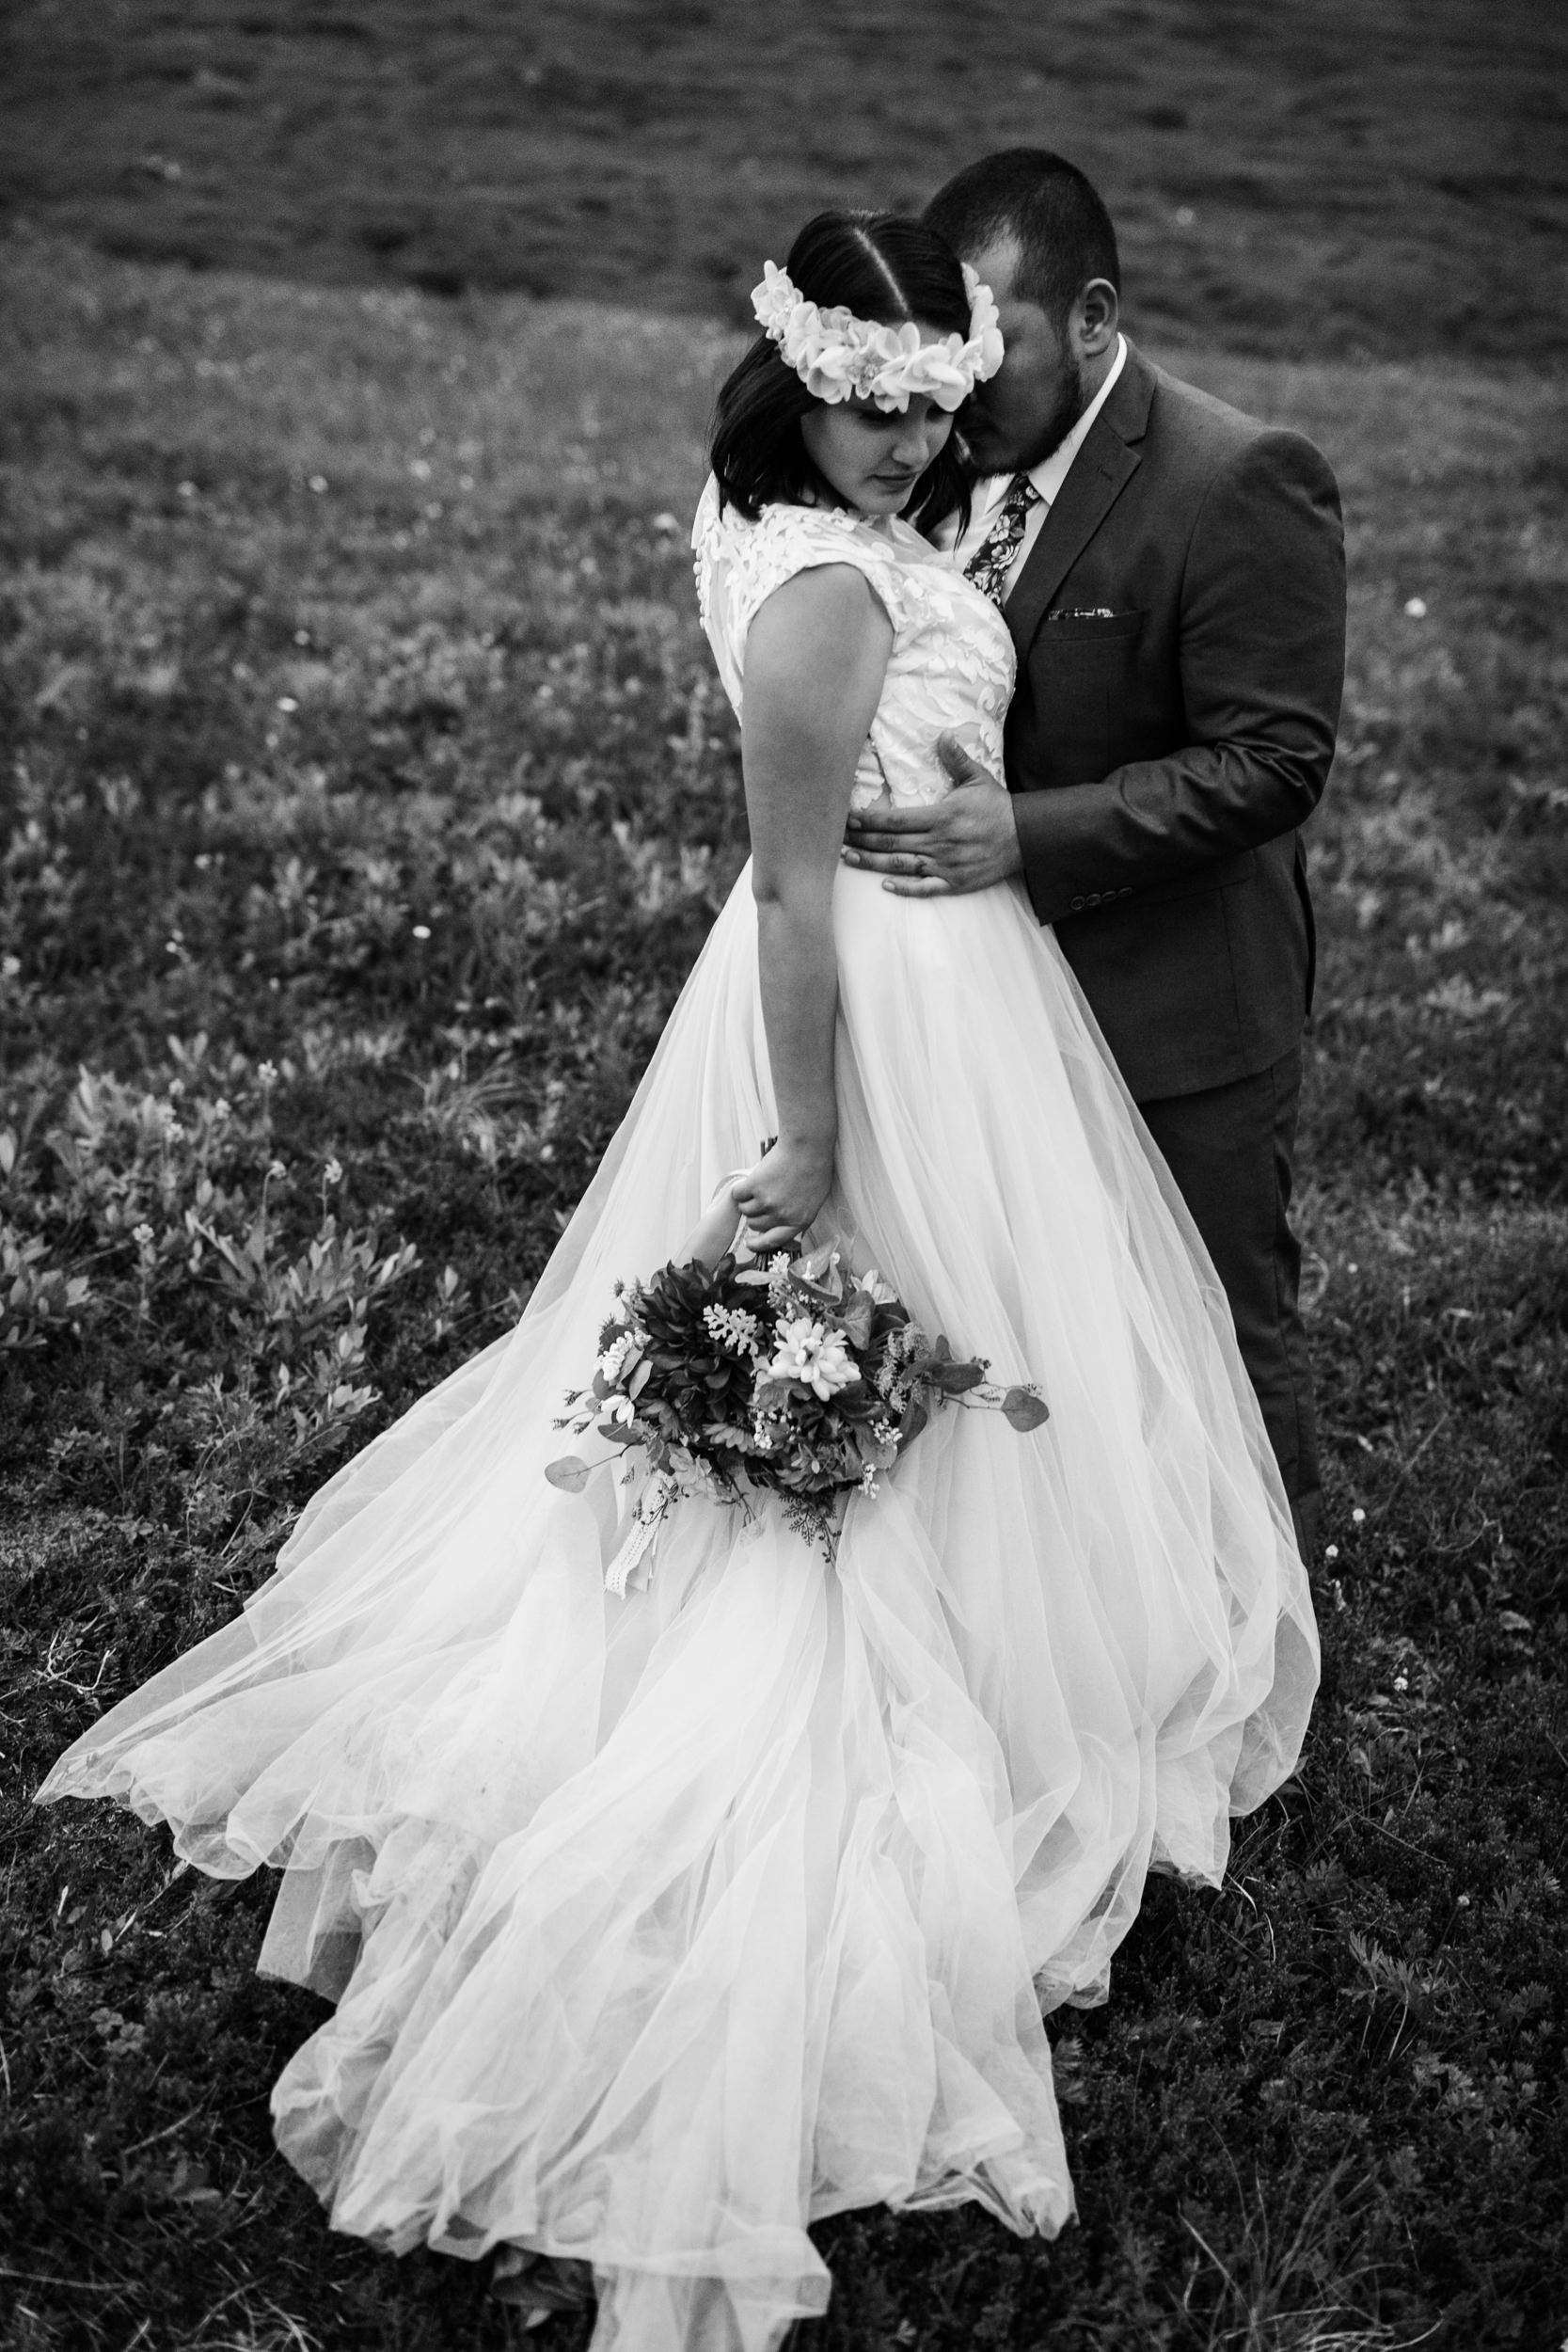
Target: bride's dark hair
column 881, row 267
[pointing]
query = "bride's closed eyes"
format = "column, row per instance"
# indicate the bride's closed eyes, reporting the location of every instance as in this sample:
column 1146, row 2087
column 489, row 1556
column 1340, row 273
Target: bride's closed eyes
column 873, row 457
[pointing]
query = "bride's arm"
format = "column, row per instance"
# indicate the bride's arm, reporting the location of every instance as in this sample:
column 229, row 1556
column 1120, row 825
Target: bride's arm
column 815, row 657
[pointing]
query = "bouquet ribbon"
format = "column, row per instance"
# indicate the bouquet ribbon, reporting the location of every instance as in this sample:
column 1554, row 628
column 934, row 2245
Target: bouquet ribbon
column 638, row 1538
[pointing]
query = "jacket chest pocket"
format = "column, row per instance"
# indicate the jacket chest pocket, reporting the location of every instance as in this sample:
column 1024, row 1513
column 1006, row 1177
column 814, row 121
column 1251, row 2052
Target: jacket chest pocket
column 1081, row 665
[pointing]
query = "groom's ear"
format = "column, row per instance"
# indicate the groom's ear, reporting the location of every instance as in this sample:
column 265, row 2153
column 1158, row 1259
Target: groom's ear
column 1094, row 320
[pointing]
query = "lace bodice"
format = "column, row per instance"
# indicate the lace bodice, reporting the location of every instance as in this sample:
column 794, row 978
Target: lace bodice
column 951, row 668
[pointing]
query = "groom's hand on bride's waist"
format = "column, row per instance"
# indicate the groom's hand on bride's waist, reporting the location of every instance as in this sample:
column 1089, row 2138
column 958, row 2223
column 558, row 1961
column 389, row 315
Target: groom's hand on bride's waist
column 965, row 842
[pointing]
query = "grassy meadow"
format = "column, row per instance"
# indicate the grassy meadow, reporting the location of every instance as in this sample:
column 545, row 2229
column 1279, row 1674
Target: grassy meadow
column 365, row 796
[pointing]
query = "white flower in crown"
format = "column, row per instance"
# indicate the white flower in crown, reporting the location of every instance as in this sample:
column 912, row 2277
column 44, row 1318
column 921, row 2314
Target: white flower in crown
column 838, row 356
column 984, row 328
column 773, row 300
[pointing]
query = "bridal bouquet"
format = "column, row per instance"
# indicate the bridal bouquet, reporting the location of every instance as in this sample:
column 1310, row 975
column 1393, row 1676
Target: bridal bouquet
column 793, row 1376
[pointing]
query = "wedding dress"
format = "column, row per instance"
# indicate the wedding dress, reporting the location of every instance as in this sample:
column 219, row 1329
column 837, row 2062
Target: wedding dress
column 659, row 1926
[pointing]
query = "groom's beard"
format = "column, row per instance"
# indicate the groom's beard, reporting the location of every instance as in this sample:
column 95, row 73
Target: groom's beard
column 1072, row 398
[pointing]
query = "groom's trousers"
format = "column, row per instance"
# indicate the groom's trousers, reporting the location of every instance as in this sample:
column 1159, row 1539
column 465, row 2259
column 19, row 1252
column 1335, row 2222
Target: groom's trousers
column 1231, row 1150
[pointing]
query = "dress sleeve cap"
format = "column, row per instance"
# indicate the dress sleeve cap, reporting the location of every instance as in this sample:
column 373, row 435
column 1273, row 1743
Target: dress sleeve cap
column 791, row 539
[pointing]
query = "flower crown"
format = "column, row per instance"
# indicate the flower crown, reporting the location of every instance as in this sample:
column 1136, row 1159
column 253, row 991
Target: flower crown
column 838, row 356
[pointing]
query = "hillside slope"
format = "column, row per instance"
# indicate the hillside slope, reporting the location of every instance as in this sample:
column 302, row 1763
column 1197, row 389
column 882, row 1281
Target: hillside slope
column 1322, row 176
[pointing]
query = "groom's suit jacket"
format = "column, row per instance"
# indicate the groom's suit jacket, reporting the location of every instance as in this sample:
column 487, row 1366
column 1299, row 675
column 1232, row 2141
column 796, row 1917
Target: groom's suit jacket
column 1180, row 633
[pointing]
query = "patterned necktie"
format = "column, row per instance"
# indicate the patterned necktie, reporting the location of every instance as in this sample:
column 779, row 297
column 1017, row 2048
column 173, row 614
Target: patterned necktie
column 993, row 561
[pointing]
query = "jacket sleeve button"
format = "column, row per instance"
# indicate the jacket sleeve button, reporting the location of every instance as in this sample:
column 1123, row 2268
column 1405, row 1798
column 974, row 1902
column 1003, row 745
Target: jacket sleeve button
column 1077, row 905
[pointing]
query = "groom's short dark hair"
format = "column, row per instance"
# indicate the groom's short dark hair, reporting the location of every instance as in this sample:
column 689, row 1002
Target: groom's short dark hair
column 1063, row 229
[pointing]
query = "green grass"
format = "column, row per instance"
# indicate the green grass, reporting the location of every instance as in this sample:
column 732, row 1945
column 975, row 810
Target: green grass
column 365, row 797
column 1380, row 176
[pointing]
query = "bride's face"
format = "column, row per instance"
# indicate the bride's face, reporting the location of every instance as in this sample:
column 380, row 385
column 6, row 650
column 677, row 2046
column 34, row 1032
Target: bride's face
column 873, row 457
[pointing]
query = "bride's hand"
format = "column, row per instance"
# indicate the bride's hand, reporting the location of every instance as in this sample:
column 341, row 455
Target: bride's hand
column 779, row 1196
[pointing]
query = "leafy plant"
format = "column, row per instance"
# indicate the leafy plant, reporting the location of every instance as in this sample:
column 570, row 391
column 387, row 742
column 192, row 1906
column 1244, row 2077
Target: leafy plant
column 36, row 1297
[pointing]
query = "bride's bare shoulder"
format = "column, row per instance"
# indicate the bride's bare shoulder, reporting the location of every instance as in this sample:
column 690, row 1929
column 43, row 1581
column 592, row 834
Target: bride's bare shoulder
column 816, row 616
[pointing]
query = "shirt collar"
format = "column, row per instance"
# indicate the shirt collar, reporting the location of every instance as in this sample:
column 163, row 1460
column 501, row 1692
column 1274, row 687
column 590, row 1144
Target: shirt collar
column 1050, row 474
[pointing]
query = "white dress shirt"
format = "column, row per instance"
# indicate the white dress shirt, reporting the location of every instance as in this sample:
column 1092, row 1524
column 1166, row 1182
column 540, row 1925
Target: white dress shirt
column 1047, row 477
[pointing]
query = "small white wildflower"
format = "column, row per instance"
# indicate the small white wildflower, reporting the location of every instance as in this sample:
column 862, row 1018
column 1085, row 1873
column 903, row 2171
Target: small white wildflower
column 1463, row 1901
column 1331, row 1552
column 222, row 1108
column 175, row 1088
column 1359, row 1515
column 1415, row 607
column 142, row 1236
column 1402, row 1682
column 277, row 1171
column 779, row 1271
column 266, row 1073
column 333, row 1172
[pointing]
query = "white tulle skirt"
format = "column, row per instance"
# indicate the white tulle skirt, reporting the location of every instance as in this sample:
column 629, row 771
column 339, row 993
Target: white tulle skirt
column 661, row 1926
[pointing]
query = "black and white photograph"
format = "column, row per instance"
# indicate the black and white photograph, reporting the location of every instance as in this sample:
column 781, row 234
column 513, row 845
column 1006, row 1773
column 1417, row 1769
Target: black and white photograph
column 783, row 1176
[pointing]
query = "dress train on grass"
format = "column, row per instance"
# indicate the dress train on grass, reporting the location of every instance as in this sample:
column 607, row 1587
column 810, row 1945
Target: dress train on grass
column 659, row 1926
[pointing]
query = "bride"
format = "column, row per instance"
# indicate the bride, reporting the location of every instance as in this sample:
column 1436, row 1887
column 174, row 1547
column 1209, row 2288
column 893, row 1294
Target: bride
column 662, row 1925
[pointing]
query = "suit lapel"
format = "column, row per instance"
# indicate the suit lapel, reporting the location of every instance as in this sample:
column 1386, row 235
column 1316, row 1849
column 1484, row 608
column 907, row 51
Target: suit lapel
column 1095, row 481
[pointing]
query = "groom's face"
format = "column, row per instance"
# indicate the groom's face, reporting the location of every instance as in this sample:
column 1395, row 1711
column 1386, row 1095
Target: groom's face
column 1038, row 394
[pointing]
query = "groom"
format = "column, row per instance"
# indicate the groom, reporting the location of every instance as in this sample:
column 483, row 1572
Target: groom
column 1172, row 573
